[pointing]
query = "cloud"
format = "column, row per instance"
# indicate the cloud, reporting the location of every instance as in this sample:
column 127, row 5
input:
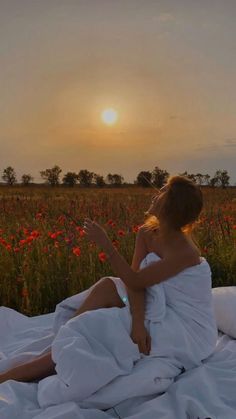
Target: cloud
column 175, row 117
column 216, row 147
column 166, row 17
column 207, row 147
column 230, row 142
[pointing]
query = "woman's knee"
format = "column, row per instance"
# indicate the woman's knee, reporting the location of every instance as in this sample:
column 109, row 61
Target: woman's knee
column 106, row 288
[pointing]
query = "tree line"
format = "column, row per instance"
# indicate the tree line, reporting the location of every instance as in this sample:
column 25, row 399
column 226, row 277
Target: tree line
column 157, row 177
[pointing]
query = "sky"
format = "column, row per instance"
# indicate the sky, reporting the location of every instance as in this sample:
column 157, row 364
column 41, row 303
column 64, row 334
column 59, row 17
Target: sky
column 166, row 66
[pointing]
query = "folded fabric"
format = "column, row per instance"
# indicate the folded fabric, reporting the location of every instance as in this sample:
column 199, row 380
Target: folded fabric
column 98, row 364
column 224, row 302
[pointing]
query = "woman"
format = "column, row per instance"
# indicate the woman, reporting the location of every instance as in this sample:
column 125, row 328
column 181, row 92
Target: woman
column 166, row 235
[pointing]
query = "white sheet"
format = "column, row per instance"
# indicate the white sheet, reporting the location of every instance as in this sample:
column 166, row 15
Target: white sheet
column 99, row 367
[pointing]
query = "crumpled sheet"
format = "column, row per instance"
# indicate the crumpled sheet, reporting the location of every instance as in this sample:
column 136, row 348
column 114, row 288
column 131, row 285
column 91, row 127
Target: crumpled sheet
column 207, row 391
column 100, row 372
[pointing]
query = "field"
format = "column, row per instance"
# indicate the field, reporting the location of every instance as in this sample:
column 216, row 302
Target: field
column 45, row 257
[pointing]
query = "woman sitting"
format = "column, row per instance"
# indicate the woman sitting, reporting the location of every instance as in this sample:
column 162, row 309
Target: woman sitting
column 167, row 290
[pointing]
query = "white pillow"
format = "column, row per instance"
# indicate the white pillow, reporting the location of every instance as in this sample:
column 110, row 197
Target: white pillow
column 224, row 302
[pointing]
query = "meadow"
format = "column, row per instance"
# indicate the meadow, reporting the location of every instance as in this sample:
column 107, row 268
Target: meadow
column 45, row 256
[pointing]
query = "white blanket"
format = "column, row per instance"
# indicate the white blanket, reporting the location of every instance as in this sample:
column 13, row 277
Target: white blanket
column 100, row 372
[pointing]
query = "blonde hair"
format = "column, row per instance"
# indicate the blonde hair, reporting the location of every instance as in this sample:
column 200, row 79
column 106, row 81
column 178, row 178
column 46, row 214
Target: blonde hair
column 180, row 206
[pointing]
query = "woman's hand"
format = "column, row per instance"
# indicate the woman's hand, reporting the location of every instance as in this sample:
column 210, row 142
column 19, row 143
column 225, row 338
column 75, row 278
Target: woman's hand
column 141, row 337
column 95, row 232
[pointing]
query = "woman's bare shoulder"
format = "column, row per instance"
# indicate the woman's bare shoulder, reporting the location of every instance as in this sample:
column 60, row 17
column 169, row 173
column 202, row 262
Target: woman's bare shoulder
column 188, row 251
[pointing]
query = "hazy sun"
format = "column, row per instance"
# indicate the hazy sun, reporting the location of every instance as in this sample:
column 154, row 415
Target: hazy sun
column 109, row 116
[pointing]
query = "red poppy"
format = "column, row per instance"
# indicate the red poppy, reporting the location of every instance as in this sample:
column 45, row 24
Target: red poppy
column 76, row 251
column 102, row 256
column 35, row 233
column 24, row 292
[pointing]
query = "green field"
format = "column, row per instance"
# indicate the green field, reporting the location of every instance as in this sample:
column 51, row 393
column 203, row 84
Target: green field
column 45, row 257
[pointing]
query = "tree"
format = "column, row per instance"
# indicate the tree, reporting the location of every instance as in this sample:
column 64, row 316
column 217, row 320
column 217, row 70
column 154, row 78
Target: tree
column 222, row 178
column 207, row 179
column 70, row 179
column 51, row 175
column 199, row 178
column 115, row 179
column 99, row 180
column 144, row 179
column 214, row 181
column 26, row 179
column 85, row 177
column 9, row 175
column 190, row 176
column 159, row 177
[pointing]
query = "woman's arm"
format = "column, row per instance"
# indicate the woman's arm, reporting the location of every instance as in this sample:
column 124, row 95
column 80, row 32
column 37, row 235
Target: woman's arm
column 155, row 273
column 178, row 260
column 137, row 297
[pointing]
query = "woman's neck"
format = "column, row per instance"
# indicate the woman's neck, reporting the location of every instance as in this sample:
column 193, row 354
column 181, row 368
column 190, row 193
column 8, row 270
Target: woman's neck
column 166, row 232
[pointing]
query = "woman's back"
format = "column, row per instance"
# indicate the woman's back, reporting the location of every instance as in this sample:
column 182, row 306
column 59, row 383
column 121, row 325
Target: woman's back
column 179, row 314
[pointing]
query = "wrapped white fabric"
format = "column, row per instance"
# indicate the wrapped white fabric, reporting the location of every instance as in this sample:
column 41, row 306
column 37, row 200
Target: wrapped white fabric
column 97, row 363
column 224, row 301
column 100, row 372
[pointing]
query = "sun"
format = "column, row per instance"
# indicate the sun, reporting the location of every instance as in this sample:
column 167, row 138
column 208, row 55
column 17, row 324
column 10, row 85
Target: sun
column 109, row 116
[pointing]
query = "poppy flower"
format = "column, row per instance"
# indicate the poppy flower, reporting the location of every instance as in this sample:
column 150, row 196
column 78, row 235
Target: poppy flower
column 76, row 251
column 102, row 256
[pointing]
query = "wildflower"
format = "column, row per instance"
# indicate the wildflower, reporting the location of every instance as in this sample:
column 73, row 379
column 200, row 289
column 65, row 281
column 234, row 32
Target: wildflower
column 39, row 215
column 76, row 251
column 24, row 292
column 35, row 234
column 102, row 256
column 69, row 240
column 121, row 233
column 16, row 249
column 53, row 235
column 80, row 231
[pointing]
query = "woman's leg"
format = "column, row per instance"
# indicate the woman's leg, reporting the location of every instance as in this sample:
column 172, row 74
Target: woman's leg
column 37, row 369
column 103, row 295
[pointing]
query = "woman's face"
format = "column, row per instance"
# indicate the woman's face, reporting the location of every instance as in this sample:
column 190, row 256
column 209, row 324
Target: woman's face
column 156, row 200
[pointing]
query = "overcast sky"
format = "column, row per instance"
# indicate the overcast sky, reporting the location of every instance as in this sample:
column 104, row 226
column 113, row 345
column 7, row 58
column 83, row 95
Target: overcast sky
column 167, row 66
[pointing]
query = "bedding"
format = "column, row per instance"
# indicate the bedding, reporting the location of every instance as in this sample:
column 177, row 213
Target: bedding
column 190, row 372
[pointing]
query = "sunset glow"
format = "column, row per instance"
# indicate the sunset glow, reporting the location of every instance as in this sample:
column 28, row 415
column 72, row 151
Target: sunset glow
column 109, row 116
